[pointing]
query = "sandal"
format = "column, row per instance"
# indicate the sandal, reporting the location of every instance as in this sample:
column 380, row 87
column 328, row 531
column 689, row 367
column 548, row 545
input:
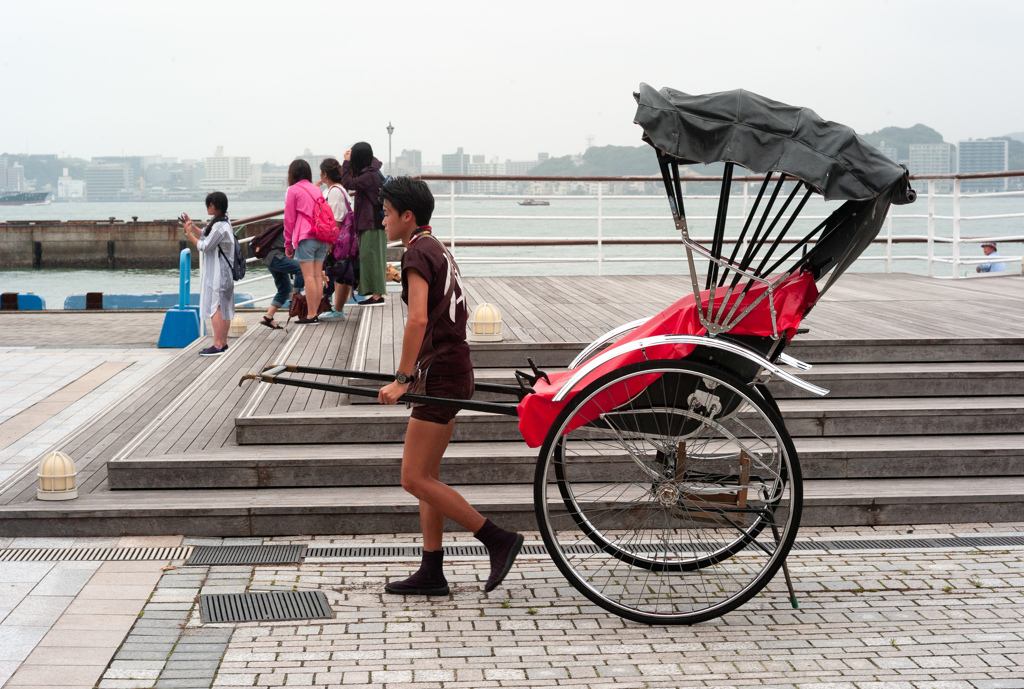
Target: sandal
column 269, row 322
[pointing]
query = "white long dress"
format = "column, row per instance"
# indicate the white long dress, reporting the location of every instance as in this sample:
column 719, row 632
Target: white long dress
column 217, row 288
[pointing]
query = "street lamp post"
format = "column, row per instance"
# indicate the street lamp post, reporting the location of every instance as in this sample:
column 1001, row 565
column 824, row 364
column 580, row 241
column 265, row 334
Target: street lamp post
column 390, row 129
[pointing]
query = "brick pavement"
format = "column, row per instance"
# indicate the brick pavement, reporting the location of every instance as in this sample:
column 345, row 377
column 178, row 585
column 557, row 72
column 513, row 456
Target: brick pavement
column 872, row 620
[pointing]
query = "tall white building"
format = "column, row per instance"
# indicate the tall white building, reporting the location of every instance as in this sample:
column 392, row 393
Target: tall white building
column 933, row 159
column 983, row 156
column 226, row 173
column 486, row 186
column 105, row 181
column 68, row 188
column 12, row 175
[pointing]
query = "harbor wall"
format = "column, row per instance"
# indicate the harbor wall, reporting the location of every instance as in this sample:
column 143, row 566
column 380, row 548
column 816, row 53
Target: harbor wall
column 99, row 244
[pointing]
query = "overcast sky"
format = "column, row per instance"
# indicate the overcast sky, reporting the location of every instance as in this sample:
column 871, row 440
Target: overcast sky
column 505, row 79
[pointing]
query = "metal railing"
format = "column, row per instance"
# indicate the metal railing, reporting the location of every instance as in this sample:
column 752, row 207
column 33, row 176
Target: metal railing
column 600, row 240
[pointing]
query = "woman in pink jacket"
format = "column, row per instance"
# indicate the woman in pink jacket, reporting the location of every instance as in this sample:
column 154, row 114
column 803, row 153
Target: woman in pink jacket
column 299, row 243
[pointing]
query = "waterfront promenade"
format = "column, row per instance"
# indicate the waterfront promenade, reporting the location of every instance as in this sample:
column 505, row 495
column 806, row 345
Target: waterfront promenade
column 935, row 365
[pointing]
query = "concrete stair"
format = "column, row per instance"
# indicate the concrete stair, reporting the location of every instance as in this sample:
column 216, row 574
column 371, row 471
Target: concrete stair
column 476, row 463
column 388, row 509
column 912, row 432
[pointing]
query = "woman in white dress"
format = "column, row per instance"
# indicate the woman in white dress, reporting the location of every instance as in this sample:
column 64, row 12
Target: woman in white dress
column 217, row 287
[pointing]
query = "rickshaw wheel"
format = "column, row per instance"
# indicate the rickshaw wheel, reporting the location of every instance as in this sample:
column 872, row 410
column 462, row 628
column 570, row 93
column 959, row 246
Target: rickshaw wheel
column 658, row 510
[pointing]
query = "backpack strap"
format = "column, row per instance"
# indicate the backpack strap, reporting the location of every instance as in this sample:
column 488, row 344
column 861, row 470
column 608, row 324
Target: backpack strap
column 427, row 353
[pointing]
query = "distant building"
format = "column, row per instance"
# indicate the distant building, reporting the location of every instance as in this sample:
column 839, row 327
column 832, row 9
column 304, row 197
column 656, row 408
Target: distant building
column 486, row 186
column 933, row 159
column 889, row 152
column 68, row 188
column 456, row 164
column 12, row 175
column 314, row 160
column 983, row 156
column 106, row 181
column 520, row 167
column 133, row 163
column 272, row 176
column 226, row 173
column 409, row 163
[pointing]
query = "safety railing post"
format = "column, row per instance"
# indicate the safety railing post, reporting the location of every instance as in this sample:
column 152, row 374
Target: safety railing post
column 451, row 204
column 600, row 254
column 888, row 244
column 956, row 228
column 931, row 228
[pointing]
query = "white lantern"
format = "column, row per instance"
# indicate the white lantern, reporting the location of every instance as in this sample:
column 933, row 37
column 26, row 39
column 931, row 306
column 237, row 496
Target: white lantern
column 238, row 327
column 485, row 325
column 57, row 478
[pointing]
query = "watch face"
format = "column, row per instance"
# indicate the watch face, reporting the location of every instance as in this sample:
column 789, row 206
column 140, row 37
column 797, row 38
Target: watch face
column 401, row 378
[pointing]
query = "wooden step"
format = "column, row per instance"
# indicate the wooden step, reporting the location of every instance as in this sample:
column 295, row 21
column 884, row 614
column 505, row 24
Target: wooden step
column 813, row 417
column 288, row 466
column 370, row 510
column 945, row 379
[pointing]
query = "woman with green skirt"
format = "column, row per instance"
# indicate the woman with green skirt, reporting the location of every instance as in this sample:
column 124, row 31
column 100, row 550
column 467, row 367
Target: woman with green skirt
column 360, row 174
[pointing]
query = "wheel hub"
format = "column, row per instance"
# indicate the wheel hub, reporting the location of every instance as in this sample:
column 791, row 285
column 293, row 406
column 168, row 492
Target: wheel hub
column 667, row 494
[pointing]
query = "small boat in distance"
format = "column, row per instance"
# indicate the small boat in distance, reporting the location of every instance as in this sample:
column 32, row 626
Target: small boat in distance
column 534, row 202
column 21, row 198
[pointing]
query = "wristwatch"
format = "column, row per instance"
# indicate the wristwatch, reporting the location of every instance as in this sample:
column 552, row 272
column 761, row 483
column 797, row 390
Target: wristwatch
column 402, row 379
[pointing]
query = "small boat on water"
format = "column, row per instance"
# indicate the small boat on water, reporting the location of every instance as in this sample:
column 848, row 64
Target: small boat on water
column 534, row 202
column 22, row 198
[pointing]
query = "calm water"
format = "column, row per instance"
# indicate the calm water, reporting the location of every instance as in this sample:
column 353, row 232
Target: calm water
column 574, row 217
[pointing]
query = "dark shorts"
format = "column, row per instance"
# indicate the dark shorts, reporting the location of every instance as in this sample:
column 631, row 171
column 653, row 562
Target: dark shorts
column 458, row 386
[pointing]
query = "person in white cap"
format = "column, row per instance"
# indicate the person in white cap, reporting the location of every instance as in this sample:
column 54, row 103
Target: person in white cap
column 990, row 250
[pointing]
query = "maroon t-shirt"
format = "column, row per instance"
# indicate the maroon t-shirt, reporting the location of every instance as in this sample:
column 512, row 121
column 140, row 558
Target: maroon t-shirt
column 426, row 255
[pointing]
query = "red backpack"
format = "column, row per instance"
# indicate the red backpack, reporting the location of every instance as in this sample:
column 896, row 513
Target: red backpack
column 325, row 229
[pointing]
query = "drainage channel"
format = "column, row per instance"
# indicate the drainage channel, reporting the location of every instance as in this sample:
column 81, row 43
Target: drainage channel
column 294, row 554
column 92, row 554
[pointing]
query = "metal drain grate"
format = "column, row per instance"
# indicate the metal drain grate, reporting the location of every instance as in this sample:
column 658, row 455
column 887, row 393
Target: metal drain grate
column 365, row 552
column 913, row 543
column 264, row 607
column 92, row 554
column 247, row 555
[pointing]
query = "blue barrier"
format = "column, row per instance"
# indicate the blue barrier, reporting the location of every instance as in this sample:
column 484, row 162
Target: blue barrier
column 31, row 302
column 182, row 322
column 158, row 300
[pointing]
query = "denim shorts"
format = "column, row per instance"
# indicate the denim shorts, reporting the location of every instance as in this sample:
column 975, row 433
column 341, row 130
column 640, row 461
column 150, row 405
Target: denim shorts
column 311, row 250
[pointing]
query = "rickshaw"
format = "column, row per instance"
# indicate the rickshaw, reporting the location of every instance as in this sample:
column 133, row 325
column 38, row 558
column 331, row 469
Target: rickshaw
column 667, row 488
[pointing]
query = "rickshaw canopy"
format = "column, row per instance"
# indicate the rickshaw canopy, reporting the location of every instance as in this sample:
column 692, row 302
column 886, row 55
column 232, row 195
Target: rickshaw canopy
column 764, row 135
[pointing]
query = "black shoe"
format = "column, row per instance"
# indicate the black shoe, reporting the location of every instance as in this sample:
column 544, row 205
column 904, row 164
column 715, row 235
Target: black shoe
column 379, row 301
column 309, row 321
column 402, row 588
column 502, row 561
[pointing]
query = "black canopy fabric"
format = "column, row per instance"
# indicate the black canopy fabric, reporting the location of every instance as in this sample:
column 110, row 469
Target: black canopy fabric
column 764, row 135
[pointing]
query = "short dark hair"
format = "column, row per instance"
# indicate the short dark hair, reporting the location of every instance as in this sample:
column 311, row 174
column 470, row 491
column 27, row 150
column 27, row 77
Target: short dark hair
column 299, row 170
column 408, row 194
column 332, row 168
column 219, row 200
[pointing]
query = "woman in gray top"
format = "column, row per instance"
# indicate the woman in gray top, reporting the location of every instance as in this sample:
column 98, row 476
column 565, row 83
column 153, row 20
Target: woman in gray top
column 217, row 287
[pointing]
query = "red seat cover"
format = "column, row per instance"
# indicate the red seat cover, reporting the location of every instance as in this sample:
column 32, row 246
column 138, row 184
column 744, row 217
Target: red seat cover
column 794, row 296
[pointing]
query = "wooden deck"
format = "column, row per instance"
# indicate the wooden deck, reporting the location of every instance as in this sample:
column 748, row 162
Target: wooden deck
column 189, row 408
